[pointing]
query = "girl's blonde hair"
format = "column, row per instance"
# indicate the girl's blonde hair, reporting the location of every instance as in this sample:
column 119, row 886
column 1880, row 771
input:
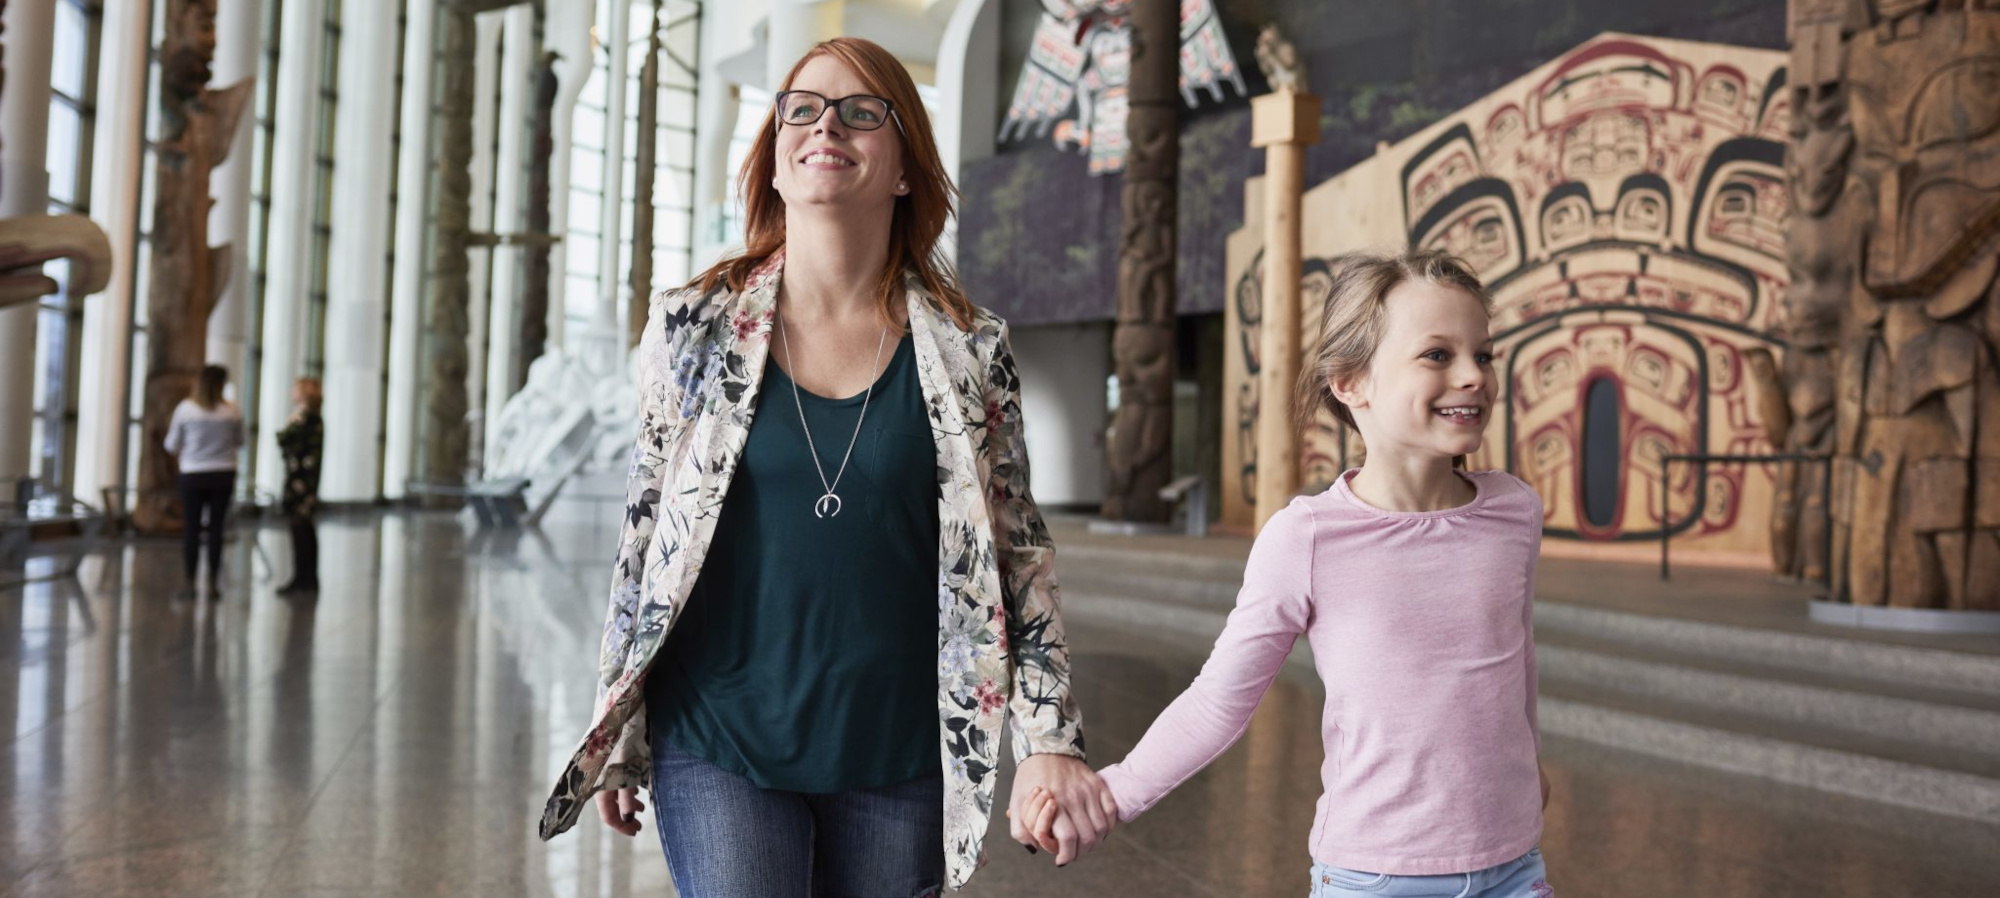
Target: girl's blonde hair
column 1356, row 315
column 309, row 391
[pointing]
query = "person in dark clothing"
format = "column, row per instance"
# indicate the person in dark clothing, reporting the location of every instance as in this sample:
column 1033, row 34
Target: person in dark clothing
column 204, row 436
column 300, row 442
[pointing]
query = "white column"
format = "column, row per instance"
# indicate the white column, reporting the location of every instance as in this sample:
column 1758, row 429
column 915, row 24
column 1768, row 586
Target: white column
column 610, row 279
column 288, row 256
column 485, row 124
column 237, row 33
column 715, row 124
column 1063, row 371
column 24, row 190
column 357, row 252
column 794, row 27
column 116, row 154
column 568, row 33
column 413, row 172
column 968, row 80
column 503, row 328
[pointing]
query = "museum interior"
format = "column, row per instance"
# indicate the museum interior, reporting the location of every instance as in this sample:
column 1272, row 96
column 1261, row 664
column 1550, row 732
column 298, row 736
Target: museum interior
column 324, row 349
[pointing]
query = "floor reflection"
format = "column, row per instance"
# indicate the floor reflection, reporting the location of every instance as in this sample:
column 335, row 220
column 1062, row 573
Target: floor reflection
column 397, row 736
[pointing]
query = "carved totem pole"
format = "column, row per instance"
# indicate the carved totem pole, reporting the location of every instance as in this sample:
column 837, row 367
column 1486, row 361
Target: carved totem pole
column 1894, row 313
column 447, row 435
column 1141, row 450
column 535, row 286
column 188, row 275
column 645, row 171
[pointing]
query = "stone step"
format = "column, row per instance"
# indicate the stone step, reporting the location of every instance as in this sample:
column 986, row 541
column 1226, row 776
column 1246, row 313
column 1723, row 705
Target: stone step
column 1863, row 721
column 1883, row 662
column 1213, row 583
column 1953, row 730
column 1797, row 755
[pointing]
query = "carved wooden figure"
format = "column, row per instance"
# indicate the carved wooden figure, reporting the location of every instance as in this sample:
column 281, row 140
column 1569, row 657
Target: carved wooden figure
column 1917, row 482
column 447, row 435
column 1141, row 448
column 535, row 287
column 1824, row 236
column 644, row 172
column 187, row 275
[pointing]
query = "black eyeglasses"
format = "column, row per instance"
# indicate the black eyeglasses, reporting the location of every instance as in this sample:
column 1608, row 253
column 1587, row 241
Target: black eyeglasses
column 860, row 112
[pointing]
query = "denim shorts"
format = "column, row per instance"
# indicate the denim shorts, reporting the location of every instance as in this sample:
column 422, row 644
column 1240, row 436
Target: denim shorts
column 1522, row 877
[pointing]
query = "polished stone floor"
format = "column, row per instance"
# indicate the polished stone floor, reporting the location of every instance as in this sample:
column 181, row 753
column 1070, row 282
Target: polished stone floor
column 396, row 738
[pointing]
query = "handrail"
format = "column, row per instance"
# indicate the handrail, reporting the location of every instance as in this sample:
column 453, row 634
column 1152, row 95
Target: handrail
column 1703, row 458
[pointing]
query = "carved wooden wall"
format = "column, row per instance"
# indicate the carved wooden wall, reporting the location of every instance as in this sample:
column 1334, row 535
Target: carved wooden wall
column 1626, row 202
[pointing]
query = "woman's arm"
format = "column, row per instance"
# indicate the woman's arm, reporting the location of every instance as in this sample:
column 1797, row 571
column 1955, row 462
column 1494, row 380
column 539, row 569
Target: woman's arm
column 1046, row 717
column 642, row 491
column 1273, row 608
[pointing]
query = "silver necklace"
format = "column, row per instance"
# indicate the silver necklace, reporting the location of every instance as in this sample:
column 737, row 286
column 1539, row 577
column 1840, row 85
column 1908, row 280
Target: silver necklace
column 828, row 504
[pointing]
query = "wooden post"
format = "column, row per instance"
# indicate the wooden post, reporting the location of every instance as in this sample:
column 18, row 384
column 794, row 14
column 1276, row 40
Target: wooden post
column 1140, row 455
column 1283, row 123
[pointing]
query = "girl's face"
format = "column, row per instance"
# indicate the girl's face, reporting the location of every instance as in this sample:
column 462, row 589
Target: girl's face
column 1429, row 390
column 829, row 163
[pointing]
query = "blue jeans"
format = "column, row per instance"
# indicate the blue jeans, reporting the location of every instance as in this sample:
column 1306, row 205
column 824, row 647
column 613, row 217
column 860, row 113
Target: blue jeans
column 1522, row 877
column 725, row 837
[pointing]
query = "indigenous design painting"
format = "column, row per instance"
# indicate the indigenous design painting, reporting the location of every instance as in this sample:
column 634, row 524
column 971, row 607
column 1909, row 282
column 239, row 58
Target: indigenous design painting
column 1626, row 204
column 1080, row 63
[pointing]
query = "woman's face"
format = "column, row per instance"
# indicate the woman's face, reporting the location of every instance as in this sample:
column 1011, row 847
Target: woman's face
column 829, row 164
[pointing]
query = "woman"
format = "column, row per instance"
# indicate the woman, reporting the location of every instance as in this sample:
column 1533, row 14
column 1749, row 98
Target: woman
column 203, row 436
column 823, row 613
column 300, row 442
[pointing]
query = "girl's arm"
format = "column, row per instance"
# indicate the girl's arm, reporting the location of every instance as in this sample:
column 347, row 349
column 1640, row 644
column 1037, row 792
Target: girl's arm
column 1274, row 607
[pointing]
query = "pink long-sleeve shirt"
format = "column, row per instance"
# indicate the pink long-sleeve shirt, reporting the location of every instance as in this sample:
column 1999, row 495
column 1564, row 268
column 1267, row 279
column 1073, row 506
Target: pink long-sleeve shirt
column 1421, row 628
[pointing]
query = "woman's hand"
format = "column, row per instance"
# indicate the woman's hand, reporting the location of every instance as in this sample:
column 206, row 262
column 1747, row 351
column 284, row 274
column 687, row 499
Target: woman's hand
column 1085, row 811
column 620, row 810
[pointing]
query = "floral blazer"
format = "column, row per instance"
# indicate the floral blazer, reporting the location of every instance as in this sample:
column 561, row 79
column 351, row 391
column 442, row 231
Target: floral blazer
column 1001, row 649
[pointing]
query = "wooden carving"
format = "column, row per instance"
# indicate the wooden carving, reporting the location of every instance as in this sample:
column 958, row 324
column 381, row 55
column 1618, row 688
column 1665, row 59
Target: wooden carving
column 187, row 275
column 644, row 172
column 535, row 288
column 1141, row 448
column 1916, row 408
column 447, row 435
column 1819, row 255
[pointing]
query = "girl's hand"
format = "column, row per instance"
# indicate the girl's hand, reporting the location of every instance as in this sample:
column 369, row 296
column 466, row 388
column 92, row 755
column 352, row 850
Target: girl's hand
column 1037, row 821
column 620, row 810
column 1085, row 814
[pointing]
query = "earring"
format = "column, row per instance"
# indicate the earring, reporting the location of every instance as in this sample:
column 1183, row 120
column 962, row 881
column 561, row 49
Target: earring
column 774, row 182
column 902, row 187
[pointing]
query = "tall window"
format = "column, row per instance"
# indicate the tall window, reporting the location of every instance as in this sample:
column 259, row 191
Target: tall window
column 673, row 158
column 673, row 184
column 142, row 259
column 263, row 138
column 59, row 326
column 322, row 224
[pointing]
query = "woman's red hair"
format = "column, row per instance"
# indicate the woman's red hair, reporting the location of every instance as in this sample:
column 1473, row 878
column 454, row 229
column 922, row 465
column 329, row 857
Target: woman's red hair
column 920, row 215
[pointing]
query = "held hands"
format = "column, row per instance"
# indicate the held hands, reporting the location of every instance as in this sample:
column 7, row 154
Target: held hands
column 1060, row 806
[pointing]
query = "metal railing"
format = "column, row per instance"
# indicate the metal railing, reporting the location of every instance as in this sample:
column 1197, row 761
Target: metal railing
column 1701, row 458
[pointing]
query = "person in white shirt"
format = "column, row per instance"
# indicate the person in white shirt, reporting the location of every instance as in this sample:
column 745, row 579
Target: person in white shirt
column 204, row 437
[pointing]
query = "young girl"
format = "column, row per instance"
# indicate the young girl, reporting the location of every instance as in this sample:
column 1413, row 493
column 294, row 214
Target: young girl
column 1412, row 580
